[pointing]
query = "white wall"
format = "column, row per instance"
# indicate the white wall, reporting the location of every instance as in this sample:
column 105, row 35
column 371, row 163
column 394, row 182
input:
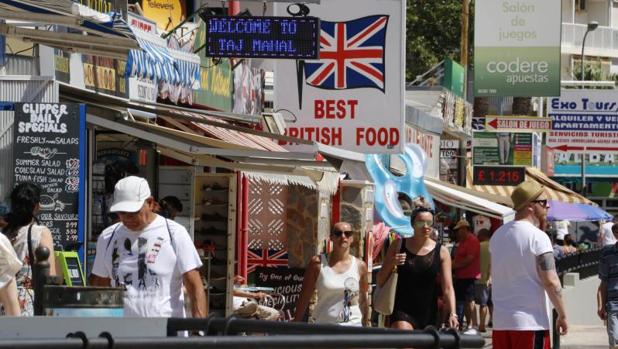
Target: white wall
column 580, row 302
column 597, row 11
column 614, row 16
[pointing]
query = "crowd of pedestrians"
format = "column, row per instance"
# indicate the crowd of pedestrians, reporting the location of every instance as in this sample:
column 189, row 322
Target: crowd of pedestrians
column 509, row 274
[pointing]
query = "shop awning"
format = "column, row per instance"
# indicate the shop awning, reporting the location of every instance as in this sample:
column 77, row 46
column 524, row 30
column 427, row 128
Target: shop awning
column 108, row 35
column 466, row 199
column 155, row 61
column 554, row 190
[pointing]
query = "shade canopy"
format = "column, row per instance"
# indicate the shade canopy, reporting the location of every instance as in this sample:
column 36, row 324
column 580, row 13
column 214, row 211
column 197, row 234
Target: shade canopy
column 559, row 211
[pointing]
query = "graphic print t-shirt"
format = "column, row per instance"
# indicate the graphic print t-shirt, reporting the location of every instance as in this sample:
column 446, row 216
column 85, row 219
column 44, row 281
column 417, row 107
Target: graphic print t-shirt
column 148, row 265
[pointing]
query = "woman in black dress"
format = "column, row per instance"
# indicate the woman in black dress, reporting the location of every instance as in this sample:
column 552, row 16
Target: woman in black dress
column 419, row 261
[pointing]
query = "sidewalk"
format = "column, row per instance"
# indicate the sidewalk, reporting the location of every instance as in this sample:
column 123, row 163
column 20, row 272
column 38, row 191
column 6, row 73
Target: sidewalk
column 579, row 337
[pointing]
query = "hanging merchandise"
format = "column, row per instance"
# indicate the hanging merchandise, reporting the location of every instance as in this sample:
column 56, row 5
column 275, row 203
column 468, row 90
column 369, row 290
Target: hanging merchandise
column 388, row 186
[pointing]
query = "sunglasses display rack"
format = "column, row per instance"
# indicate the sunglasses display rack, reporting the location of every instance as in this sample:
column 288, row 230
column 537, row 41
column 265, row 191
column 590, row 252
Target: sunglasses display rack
column 214, row 237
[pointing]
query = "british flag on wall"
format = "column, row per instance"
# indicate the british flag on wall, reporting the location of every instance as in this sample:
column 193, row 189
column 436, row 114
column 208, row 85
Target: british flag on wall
column 351, row 55
column 265, row 257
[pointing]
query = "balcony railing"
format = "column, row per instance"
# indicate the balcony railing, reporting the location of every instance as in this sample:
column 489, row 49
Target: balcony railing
column 603, row 39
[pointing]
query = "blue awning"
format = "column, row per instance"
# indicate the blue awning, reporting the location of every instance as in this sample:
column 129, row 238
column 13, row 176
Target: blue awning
column 155, row 61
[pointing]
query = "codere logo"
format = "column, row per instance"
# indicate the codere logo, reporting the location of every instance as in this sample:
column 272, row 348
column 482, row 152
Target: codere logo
column 519, row 71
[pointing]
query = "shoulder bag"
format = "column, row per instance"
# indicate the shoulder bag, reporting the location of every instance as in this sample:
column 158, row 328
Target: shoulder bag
column 384, row 297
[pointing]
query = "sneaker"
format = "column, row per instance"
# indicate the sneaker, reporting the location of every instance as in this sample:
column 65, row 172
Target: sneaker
column 471, row 331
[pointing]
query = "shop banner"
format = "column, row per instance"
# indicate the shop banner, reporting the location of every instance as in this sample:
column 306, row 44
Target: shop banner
column 598, row 164
column 216, row 78
column 287, row 282
column 517, row 48
column 449, row 160
column 454, row 77
column 353, row 96
column 166, row 13
column 584, row 118
column 49, row 150
column 62, row 69
column 502, row 148
column 248, row 89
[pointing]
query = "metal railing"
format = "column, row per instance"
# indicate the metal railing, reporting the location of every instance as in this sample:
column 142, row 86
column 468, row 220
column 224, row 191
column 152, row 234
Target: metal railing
column 586, row 263
column 217, row 332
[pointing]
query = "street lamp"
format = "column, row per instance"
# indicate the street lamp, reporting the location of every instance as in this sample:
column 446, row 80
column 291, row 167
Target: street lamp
column 592, row 25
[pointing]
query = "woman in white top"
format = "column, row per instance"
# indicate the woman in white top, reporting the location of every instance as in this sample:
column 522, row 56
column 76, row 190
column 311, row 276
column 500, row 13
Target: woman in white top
column 9, row 265
column 22, row 231
column 341, row 282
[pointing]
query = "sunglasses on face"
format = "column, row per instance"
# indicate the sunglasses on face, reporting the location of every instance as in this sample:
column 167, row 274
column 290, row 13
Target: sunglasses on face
column 423, row 224
column 338, row 233
column 542, row 202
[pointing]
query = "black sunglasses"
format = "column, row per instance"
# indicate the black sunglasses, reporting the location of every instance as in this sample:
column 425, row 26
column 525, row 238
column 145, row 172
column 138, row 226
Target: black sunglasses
column 542, row 202
column 338, row 233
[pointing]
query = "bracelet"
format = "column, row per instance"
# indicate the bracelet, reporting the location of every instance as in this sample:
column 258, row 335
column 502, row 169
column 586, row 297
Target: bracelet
column 455, row 315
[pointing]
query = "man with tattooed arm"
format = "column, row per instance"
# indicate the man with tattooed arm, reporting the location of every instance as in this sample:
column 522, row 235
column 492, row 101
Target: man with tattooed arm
column 524, row 275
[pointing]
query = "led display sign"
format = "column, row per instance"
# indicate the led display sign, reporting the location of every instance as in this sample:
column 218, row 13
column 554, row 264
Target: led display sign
column 498, row 175
column 262, row 37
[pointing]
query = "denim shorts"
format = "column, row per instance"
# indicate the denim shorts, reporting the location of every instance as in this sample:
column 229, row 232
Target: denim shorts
column 612, row 328
column 481, row 294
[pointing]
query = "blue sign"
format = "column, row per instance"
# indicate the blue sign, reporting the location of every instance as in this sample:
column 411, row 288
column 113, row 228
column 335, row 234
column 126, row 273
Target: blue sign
column 262, row 37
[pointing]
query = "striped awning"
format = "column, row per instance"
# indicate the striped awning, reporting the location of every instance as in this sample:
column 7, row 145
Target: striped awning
column 155, row 61
column 554, row 190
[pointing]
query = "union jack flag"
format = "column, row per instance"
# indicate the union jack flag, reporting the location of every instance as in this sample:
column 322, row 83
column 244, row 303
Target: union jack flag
column 351, row 55
column 265, row 257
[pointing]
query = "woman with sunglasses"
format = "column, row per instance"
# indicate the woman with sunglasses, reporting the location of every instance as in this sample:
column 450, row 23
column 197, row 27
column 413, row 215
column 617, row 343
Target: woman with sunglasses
column 341, row 281
column 419, row 260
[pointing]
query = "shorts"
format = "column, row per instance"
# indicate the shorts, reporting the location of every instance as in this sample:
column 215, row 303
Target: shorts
column 482, row 294
column 464, row 290
column 506, row 339
column 612, row 328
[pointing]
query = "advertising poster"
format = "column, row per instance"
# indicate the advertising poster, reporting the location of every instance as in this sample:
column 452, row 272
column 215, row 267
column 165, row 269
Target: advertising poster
column 48, row 152
column 584, row 121
column 216, row 78
column 517, row 48
column 502, row 148
column 353, row 96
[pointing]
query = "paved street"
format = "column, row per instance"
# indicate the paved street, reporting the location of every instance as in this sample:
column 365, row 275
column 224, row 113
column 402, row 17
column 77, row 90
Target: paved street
column 579, row 337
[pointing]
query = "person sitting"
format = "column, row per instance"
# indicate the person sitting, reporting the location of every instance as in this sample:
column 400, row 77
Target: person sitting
column 246, row 303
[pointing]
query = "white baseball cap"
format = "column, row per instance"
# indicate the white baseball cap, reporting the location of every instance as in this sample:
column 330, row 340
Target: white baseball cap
column 130, row 193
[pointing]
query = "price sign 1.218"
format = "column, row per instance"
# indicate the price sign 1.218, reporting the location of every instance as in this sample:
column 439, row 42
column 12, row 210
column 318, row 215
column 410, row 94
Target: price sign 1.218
column 498, row 175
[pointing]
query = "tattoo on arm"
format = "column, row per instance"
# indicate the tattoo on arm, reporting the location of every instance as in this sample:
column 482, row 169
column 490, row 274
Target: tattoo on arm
column 546, row 261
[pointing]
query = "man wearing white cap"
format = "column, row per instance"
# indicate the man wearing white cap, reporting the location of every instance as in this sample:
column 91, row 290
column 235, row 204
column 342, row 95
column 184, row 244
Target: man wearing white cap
column 152, row 257
column 524, row 274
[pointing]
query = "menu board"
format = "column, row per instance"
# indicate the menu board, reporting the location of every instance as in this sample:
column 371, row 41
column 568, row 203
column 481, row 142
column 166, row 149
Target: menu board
column 47, row 153
column 287, row 282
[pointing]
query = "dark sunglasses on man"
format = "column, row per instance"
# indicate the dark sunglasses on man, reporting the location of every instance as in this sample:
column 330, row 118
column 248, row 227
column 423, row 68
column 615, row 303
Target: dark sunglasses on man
column 338, row 233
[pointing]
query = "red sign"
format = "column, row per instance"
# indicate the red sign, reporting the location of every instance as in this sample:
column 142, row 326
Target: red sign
column 498, row 175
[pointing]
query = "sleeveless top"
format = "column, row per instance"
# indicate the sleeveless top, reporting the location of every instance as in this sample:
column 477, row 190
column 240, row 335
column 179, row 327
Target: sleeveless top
column 338, row 295
column 417, row 294
column 23, row 278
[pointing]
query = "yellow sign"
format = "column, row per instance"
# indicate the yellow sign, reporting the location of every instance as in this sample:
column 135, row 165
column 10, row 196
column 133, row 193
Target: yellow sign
column 167, row 13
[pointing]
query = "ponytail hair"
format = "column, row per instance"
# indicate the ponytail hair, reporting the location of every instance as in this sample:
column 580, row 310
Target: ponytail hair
column 24, row 198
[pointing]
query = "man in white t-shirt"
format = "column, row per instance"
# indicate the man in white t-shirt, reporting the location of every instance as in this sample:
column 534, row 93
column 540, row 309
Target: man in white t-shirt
column 152, row 257
column 524, row 274
column 606, row 237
